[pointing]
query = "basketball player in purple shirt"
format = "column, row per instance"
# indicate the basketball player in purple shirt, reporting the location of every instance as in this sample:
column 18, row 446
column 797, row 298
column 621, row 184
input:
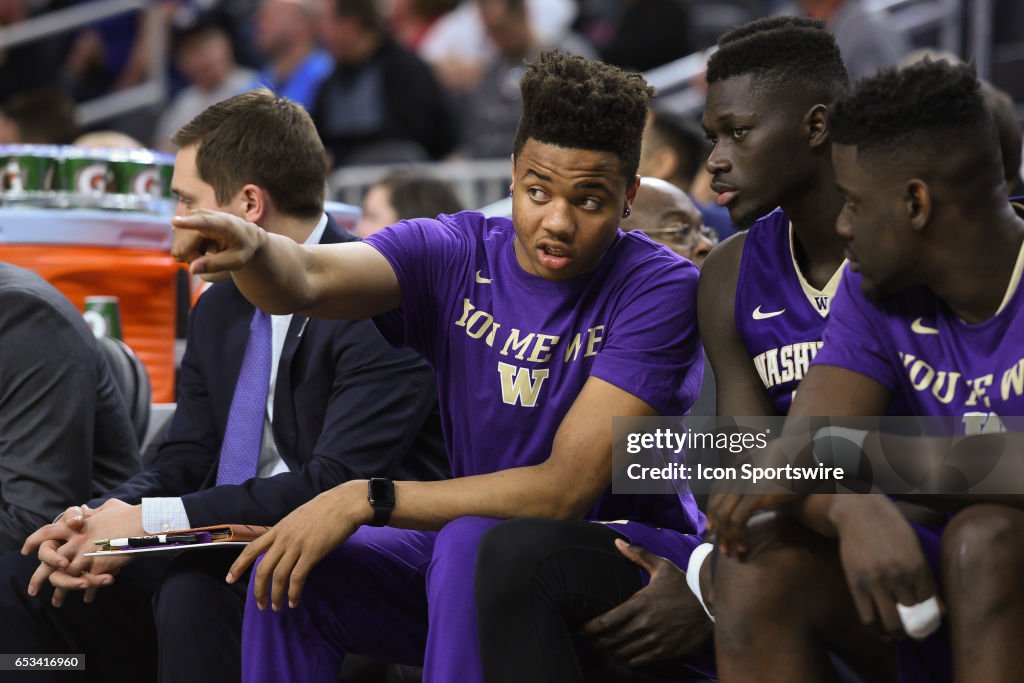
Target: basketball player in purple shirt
column 764, row 293
column 930, row 314
column 540, row 330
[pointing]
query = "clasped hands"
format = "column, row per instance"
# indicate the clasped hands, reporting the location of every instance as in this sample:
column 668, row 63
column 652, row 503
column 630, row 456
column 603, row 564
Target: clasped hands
column 62, row 545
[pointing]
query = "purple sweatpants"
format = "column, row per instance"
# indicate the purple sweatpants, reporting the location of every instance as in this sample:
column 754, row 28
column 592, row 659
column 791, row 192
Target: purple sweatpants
column 376, row 595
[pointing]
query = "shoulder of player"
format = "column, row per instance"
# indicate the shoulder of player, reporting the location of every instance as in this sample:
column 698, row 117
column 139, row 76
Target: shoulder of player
column 455, row 234
column 722, row 266
column 471, row 225
column 646, row 275
column 636, row 250
column 716, row 293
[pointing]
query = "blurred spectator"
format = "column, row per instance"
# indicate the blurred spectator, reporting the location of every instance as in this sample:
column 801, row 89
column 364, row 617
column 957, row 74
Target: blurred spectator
column 1004, row 113
column 30, row 65
column 412, row 20
column 651, row 33
column 105, row 55
column 457, row 46
column 45, row 116
column 381, row 104
column 107, row 139
column 866, row 42
column 286, row 32
column 668, row 216
column 674, row 149
column 402, row 194
column 491, row 110
column 204, row 56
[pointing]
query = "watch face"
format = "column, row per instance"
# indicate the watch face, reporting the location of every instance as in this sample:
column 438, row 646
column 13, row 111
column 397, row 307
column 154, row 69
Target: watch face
column 382, row 492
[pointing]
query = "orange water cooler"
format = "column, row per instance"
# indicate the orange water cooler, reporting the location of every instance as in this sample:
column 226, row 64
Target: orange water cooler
column 85, row 252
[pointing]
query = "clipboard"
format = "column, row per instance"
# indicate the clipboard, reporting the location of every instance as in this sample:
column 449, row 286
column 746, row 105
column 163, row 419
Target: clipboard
column 216, row 536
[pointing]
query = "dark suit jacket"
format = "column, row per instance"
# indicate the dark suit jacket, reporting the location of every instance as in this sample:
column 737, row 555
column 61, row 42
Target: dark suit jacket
column 346, row 406
column 65, row 434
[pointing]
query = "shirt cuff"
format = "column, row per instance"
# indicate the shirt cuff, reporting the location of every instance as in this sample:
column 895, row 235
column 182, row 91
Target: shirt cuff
column 160, row 515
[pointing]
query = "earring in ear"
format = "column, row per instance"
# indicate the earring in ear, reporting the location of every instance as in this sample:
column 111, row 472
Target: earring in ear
column 510, row 190
column 626, row 212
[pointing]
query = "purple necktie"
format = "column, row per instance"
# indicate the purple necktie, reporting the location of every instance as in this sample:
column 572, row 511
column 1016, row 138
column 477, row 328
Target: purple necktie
column 240, row 452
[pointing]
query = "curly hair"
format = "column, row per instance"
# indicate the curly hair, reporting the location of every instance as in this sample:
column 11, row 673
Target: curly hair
column 931, row 98
column 579, row 103
column 791, row 52
column 768, row 24
column 930, row 115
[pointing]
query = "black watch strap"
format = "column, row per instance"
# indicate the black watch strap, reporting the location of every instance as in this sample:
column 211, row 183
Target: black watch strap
column 380, row 492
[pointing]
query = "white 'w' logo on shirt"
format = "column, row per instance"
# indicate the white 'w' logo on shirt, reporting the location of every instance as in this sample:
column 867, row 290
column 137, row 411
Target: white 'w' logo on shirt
column 520, row 385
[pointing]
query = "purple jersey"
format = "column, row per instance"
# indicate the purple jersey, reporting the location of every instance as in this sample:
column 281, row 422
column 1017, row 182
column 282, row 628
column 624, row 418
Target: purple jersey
column 511, row 350
column 931, row 361
column 779, row 316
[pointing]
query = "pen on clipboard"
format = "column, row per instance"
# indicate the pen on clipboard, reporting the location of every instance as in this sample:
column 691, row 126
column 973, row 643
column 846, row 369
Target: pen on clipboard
column 146, row 541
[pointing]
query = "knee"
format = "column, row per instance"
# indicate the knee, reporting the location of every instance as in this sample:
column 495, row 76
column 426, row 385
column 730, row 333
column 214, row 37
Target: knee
column 510, row 557
column 753, row 597
column 763, row 583
column 982, row 552
column 459, row 540
column 504, row 560
column 517, row 546
column 180, row 598
column 786, row 579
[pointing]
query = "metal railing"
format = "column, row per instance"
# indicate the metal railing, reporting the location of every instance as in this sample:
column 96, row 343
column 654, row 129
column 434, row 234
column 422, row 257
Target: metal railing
column 675, row 82
column 152, row 91
column 476, row 182
column 915, row 16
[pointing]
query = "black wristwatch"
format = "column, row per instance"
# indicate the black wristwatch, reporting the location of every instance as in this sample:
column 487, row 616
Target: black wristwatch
column 381, row 494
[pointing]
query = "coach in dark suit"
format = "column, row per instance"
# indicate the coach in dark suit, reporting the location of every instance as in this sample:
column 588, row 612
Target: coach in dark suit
column 242, row 447
column 346, row 406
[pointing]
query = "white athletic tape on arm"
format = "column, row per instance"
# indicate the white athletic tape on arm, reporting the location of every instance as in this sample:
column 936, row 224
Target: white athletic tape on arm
column 920, row 620
column 697, row 558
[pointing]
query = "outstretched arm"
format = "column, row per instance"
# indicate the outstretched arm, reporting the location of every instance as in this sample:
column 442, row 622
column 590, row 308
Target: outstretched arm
column 349, row 281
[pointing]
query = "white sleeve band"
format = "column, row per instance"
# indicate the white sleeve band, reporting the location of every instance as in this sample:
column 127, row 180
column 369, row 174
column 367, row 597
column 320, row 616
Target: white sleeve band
column 920, row 620
column 697, row 558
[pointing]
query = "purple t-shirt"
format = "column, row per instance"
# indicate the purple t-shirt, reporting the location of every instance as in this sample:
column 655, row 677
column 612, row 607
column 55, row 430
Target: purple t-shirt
column 779, row 316
column 511, row 350
column 933, row 363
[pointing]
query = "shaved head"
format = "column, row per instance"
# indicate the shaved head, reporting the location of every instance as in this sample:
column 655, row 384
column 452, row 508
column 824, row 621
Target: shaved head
column 668, row 215
column 657, row 201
